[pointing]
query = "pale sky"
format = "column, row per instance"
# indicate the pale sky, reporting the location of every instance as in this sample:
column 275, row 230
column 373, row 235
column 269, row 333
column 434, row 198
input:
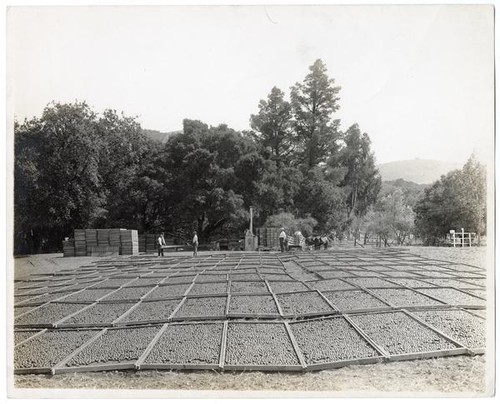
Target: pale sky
column 417, row 79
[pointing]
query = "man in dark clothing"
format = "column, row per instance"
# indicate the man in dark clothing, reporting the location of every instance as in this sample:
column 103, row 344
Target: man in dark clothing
column 282, row 239
column 161, row 243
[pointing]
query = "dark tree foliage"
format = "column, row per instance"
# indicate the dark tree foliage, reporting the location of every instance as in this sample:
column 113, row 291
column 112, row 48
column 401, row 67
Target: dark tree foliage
column 203, row 188
column 273, row 127
column 322, row 200
column 57, row 186
column 74, row 170
column 457, row 200
column 126, row 155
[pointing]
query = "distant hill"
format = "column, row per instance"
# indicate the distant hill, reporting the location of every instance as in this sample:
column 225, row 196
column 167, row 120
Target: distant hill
column 420, row 171
column 159, row 136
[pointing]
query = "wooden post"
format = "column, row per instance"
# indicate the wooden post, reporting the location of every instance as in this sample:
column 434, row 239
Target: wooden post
column 251, row 220
column 463, row 237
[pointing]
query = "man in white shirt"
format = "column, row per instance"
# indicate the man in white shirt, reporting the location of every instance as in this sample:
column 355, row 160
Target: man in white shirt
column 161, row 243
column 195, row 245
column 282, row 239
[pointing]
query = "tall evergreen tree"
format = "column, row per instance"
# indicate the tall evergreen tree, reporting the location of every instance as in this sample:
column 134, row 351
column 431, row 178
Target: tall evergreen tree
column 313, row 103
column 362, row 181
column 272, row 126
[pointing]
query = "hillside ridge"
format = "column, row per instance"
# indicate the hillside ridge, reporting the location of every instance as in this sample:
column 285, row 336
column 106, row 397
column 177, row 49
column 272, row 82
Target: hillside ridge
column 419, row 171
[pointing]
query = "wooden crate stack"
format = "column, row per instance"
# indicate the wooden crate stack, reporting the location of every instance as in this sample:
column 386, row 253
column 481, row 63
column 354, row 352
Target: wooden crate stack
column 261, row 236
column 268, row 237
column 91, row 239
column 114, row 237
column 129, row 242
column 102, row 237
column 69, row 248
column 89, row 242
column 142, row 242
column 261, row 233
column 80, row 243
column 272, row 237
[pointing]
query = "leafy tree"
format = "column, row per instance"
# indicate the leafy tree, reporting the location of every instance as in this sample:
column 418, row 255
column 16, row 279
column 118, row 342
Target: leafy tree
column 362, row 181
column 313, row 102
column 124, row 155
column 471, row 196
column 202, row 197
column 57, row 181
column 457, row 200
column 272, row 126
column 391, row 219
column 412, row 191
column 140, row 201
column 292, row 224
column 322, row 200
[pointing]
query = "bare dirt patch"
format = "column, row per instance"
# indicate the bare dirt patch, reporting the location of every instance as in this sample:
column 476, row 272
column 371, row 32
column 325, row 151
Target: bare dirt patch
column 461, row 374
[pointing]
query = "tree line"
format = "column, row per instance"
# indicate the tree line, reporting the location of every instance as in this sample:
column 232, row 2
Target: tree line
column 75, row 168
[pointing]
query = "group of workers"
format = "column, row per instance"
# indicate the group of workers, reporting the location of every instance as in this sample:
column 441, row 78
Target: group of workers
column 315, row 241
column 161, row 244
column 312, row 242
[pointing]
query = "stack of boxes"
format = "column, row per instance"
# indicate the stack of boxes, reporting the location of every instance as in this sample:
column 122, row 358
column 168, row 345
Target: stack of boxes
column 129, row 242
column 69, row 248
column 91, row 240
column 262, row 234
column 268, row 237
column 272, row 237
column 142, row 243
column 103, row 237
column 114, row 237
column 80, row 243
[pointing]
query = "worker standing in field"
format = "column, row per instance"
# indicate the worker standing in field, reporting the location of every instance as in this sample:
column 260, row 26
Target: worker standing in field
column 195, row 245
column 161, row 243
column 282, row 239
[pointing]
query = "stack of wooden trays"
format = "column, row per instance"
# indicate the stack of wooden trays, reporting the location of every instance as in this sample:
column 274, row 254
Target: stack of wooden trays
column 91, row 239
column 69, row 248
column 103, row 236
column 272, row 234
column 80, row 243
column 129, row 242
column 142, row 243
column 262, row 234
column 114, row 237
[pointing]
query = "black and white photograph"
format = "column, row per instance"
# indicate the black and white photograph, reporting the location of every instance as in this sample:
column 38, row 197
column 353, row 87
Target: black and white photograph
column 261, row 200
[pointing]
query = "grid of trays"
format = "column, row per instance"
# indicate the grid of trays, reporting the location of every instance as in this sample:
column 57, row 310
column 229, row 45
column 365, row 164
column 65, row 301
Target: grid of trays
column 259, row 311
